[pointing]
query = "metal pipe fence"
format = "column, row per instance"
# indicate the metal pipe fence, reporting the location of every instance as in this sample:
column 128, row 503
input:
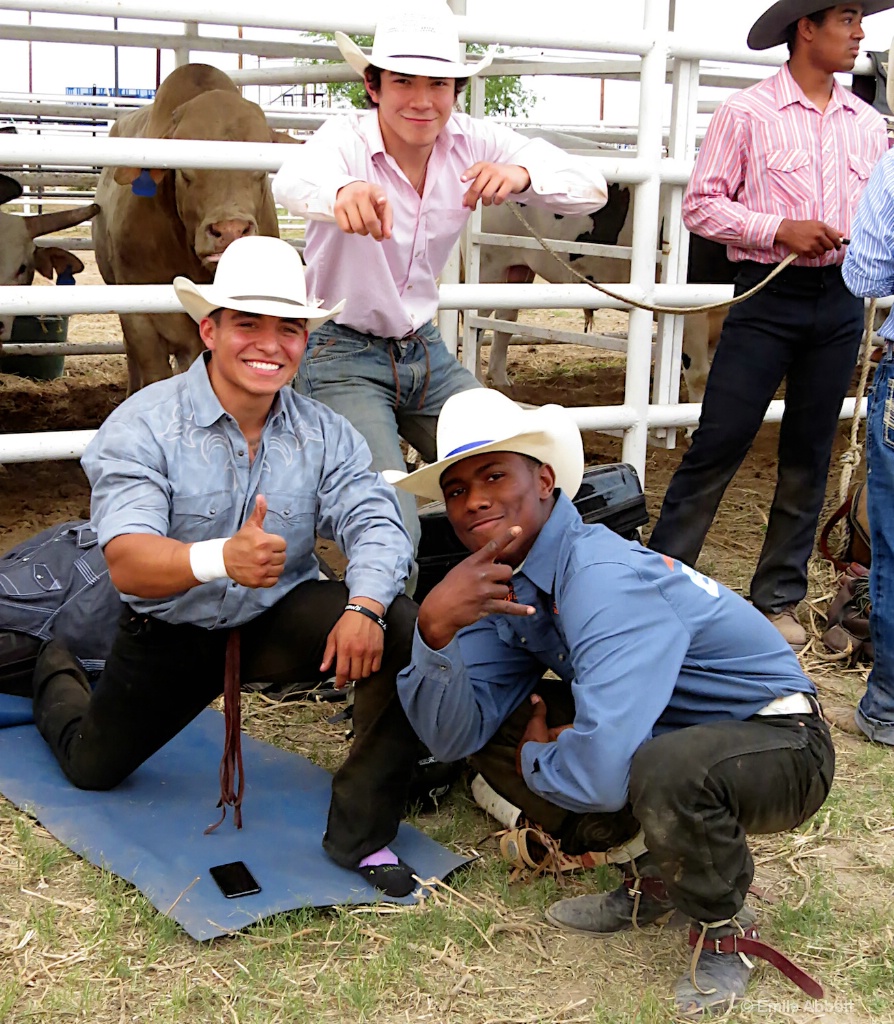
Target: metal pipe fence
column 658, row 173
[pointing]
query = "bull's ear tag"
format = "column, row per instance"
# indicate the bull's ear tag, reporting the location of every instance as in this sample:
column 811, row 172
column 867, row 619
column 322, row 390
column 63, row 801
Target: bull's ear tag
column 143, row 185
column 66, row 277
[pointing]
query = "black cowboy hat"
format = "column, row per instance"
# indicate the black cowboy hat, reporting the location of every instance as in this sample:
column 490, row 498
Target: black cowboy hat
column 769, row 29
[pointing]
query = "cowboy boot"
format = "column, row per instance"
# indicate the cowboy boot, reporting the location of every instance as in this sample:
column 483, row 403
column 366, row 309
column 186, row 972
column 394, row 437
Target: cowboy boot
column 720, row 970
column 715, row 979
column 639, row 900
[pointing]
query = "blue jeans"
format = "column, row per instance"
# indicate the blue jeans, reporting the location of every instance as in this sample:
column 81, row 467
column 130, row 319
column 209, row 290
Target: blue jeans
column 875, row 714
column 354, row 375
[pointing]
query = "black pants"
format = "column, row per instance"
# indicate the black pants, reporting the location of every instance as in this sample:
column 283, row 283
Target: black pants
column 804, row 328
column 159, row 677
column 697, row 793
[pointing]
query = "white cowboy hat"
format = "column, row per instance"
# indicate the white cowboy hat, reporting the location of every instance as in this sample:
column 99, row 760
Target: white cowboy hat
column 258, row 274
column 770, row 28
column 481, row 420
column 414, row 41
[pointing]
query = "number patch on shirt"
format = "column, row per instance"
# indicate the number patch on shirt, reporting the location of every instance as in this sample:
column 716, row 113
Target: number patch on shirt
column 704, row 582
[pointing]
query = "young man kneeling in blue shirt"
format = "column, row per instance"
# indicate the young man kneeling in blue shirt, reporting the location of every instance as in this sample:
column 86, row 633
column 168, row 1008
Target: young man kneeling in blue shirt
column 679, row 709
column 207, row 491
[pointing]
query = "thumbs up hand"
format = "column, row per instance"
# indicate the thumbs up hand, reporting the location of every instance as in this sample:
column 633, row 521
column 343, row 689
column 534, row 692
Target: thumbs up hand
column 253, row 557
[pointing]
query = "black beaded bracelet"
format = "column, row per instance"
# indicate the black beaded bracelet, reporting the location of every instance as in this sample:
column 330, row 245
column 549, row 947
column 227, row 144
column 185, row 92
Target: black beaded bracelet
column 369, row 613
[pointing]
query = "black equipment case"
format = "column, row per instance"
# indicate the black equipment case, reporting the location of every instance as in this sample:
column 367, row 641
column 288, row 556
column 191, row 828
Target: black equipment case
column 610, row 495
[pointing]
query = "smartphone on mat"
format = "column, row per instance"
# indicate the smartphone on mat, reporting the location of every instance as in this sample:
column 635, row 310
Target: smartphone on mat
column 234, row 879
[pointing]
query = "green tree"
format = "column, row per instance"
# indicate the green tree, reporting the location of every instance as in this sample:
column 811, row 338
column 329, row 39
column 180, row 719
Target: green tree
column 504, row 95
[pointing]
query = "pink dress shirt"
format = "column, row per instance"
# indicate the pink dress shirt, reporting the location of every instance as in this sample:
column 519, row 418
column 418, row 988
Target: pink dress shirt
column 770, row 155
column 391, row 286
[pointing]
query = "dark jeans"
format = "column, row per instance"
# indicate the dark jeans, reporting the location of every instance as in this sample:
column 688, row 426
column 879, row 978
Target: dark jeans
column 160, row 676
column 804, row 328
column 697, row 792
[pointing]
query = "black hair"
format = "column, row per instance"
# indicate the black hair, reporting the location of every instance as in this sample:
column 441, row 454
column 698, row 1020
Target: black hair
column 216, row 315
column 373, row 77
column 791, row 32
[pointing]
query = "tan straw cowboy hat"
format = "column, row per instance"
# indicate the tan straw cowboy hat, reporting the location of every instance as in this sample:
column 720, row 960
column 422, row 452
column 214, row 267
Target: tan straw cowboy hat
column 260, row 275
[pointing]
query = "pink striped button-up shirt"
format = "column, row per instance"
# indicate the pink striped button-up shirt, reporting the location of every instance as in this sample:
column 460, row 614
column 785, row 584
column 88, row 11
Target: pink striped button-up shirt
column 391, row 286
column 770, row 154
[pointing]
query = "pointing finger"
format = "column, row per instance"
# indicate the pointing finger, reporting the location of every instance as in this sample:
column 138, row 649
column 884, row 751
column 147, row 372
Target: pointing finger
column 387, row 216
column 495, row 607
column 493, row 548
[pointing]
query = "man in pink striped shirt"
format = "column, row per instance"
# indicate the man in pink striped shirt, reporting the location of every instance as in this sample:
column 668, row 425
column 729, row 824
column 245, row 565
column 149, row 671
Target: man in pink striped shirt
column 387, row 193
column 780, row 171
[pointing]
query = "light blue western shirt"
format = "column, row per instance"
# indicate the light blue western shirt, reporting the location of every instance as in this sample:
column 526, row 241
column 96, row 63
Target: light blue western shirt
column 647, row 644
column 171, row 461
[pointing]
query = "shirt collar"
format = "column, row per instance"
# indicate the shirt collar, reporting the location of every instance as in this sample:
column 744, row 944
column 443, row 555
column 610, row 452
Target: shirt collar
column 371, row 132
column 788, row 92
column 206, row 405
column 540, row 565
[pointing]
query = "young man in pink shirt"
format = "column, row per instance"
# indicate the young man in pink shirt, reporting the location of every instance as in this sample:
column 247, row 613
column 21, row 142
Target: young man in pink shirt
column 780, row 171
column 387, row 193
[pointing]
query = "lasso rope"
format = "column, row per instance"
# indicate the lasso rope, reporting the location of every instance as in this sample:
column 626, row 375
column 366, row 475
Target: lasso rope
column 680, row 310
column 852, row 457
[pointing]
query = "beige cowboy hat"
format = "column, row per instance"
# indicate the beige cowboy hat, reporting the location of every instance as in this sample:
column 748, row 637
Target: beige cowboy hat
column 769, row 29
column 258, row 274
column 418, row 40
column 481, row 420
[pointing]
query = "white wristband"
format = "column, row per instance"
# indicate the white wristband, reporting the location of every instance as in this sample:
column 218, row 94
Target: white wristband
column 206, row 560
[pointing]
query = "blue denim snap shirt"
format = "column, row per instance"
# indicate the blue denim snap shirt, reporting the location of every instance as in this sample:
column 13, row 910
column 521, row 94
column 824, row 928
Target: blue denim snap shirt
column 648, row 645
column 170, row 461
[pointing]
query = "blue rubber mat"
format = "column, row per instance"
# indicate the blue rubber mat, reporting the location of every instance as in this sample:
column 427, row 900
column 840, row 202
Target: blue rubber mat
column 149, row 829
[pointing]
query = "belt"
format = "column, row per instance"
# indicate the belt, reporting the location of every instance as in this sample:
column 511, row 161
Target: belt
column 808, row 278
column 793, row 704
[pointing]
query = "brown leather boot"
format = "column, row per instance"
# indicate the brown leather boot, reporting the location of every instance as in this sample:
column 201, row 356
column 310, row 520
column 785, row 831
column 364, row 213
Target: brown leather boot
column 789, row 626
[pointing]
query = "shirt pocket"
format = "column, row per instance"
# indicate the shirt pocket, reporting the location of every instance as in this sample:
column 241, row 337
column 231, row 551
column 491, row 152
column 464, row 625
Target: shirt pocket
column 197, row 517
column 438, row 234
column 858, row 171
column 32, row 580
column 790, row 177
column 288, row 513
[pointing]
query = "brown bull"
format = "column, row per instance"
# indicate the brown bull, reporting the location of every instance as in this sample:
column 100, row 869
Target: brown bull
column 191, row 219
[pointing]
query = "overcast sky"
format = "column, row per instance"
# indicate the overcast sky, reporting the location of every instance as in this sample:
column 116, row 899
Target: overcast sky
column 55, row 66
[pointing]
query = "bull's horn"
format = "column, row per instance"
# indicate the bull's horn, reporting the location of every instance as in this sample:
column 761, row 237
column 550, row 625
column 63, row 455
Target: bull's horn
column 46, row 223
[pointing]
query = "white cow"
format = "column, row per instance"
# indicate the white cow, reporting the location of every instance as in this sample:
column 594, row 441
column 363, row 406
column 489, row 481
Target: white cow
column 503, row 264
column 612, row 225
column 20, row 257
